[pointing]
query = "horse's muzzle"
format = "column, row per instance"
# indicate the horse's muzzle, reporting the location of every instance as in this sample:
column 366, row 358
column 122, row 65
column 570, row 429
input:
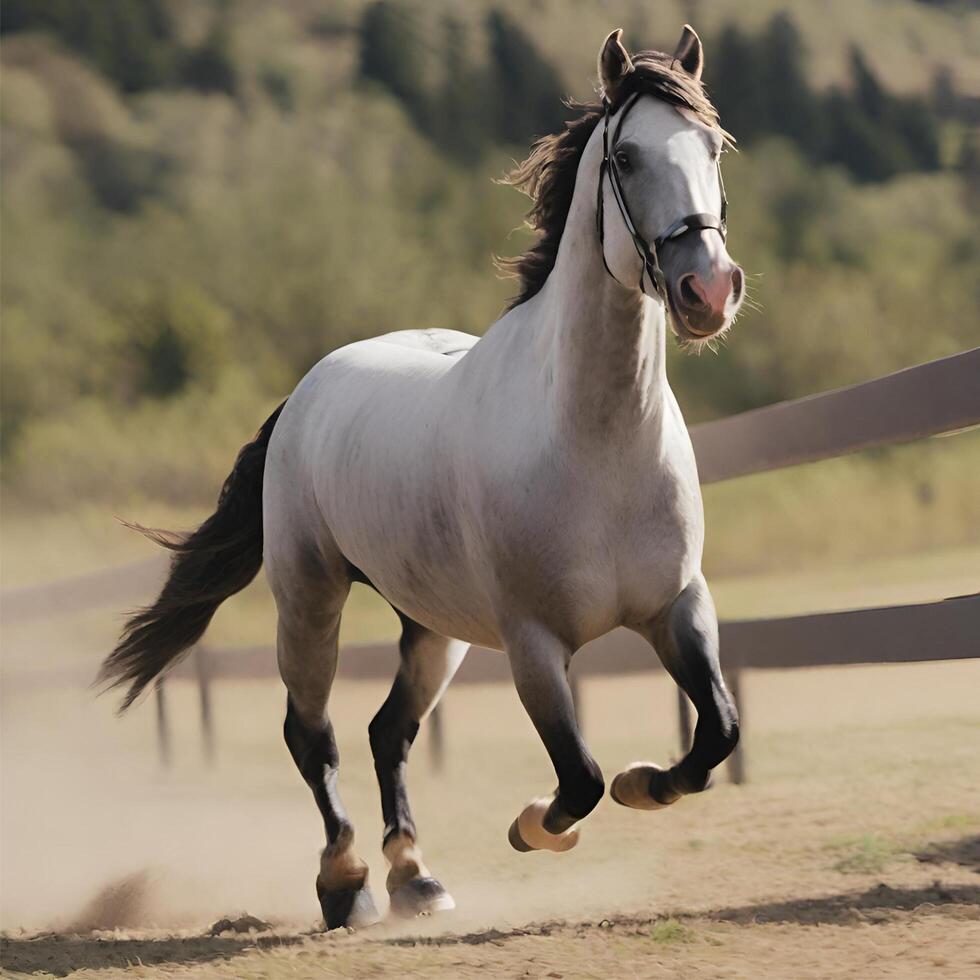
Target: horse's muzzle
column 705, row 302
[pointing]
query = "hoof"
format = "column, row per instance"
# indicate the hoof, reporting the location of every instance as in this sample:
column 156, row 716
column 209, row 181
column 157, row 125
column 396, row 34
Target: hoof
column 352, row 907
column 420, row 896
column 515, row 839
column 643, row 786
column 527, row 832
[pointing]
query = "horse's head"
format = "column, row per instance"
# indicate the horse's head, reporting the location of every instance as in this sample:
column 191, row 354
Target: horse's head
column 662, row 175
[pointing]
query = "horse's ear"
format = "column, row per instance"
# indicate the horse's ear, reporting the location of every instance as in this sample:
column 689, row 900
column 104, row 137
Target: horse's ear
column 689, row 52
column 614, row 64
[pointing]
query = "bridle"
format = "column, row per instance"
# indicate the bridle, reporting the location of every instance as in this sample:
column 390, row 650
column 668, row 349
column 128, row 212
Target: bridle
column 649, row 253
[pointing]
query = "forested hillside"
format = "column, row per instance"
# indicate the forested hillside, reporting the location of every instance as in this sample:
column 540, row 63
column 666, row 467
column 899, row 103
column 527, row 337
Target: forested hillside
column 201, row 199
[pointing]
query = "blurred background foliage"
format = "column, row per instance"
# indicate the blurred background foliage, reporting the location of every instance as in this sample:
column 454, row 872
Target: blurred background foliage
column 202, row 198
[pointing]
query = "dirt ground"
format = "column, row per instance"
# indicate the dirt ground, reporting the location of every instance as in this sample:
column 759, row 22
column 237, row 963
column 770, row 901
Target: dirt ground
column 852, row 851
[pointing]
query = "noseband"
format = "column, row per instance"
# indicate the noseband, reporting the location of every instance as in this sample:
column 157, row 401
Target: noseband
column 649, row 252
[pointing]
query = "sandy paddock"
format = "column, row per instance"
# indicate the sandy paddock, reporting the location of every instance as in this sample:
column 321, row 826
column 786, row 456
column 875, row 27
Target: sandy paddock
column 852, row 851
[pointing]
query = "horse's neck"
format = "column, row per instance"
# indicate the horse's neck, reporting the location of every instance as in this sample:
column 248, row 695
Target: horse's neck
column 606, row 342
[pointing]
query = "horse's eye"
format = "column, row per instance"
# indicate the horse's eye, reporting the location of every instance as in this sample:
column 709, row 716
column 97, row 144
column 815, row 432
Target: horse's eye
column 623, row 161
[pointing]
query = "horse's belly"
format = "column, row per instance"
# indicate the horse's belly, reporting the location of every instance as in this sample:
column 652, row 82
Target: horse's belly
column 420, row 567
column 443, row 607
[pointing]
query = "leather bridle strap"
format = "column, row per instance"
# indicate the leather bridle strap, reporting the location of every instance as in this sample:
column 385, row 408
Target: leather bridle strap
column 649, row 254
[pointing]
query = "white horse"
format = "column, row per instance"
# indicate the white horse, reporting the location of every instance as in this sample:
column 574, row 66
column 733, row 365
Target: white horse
column 529, row 490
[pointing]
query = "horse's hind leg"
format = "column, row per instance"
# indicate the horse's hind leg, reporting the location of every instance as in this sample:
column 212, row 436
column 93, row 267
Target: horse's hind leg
column 309, row 600
column 686, row 639
column 428, row 662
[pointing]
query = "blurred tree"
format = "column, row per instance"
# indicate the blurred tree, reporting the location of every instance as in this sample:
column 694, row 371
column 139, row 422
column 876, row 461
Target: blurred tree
column 760, row 87
column 174, row 336
column 133, row 42
column 944, row 95
column 210, row 66
column 916, row 125
column 855, row 142
column 969, row 166
column 875, row 134
column 278, row 85
column 792, row 108
column 464, row 100
column 390, row 54
column 736, row 79
column 121, row 176
column 526, row 88
column 869, row 96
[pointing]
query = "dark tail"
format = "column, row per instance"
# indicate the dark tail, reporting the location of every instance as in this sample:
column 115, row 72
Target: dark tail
column 210, row 564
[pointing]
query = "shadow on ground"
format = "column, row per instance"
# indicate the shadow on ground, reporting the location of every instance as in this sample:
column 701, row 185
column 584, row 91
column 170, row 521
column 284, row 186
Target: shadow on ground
column 118, row 906
column 852, row 907
column 964, row 852
column 845, row 909
column 62, row 955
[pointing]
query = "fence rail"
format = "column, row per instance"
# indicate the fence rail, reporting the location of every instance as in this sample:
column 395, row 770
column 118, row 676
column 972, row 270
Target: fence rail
column 937, row 398
column 945, row 630
column 931, row 399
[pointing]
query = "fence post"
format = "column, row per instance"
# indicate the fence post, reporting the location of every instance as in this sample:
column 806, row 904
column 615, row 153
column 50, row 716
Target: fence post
column 203, row 666
column 683, row 721
column 736, row 761
column 163, row 724
column 436, row 742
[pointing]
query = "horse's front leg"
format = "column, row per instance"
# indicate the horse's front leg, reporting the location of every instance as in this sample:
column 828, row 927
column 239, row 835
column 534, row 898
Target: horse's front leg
column 539, row 661
column 686, row 639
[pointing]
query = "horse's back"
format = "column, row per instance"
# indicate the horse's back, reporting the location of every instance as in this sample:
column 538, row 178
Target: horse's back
column 437, row 340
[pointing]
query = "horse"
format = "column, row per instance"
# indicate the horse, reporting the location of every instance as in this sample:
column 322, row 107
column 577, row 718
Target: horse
column 528, row 491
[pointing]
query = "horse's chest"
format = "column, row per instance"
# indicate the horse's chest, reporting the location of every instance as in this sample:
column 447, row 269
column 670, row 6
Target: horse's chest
column 598, row 549
column 655, row 536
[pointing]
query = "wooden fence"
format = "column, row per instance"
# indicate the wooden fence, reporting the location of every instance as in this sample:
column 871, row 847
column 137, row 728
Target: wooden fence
column 938, row 398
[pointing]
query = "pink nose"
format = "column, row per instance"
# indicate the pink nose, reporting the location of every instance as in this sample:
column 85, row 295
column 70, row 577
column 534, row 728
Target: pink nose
column 711, row 294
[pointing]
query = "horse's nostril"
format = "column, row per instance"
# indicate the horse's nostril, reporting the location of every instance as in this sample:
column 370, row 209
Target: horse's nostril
column 689, row 295
column 738, row 283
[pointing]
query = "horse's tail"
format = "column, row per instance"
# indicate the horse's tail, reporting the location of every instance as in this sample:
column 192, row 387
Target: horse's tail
column 210, row 564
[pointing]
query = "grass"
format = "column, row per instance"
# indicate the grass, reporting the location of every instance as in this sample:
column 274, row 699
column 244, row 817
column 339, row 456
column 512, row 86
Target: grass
column 867, row 854
column 953, row 821
column 669, row 931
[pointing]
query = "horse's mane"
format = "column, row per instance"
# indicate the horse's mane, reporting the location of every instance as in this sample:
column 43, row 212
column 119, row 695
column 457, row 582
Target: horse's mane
column 547, row 176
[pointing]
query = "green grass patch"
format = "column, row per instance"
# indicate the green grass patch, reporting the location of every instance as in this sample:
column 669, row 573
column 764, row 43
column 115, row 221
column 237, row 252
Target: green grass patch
column 669, row 931
column 953, row 821
column 867, row 854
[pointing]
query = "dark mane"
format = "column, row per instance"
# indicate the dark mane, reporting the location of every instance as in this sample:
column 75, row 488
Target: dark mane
column 547, row 176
